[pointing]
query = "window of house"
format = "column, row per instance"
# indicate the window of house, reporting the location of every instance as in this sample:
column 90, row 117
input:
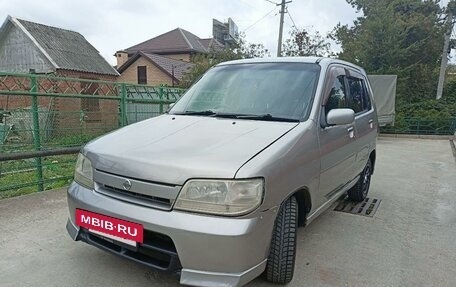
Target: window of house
column 337, row 95
column 142, row 75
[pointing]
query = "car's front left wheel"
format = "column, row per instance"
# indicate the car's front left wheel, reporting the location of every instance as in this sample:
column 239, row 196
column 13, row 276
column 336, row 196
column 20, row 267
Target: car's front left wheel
column 282, row 253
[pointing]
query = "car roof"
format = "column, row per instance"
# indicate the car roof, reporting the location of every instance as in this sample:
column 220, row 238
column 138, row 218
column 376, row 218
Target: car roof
column 322, row 61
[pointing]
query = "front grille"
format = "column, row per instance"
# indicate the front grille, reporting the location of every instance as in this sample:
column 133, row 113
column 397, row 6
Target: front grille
column 153, row 199
column 157, row 251
column 140, row 192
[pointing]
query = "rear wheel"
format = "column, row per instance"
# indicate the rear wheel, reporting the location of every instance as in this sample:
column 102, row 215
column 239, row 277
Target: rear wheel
column 359, row 191
column 282, row 253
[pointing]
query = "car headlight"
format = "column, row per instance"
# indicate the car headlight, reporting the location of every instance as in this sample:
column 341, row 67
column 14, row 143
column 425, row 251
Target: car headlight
column 83, row 173
column 221, row 197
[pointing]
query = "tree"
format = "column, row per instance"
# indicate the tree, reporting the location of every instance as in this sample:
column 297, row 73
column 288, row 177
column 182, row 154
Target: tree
column 402, row 37
column 302, row 43
column 240, row 50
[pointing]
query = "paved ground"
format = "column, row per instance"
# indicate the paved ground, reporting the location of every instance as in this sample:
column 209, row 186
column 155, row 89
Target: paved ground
column 409, row 242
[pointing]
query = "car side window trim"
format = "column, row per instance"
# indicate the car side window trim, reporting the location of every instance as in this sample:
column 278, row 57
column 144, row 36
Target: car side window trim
column 333, row 72
column 369, row 93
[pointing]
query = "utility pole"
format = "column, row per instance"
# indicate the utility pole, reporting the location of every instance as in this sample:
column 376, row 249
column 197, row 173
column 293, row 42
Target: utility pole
column 282, row 13
column 446, row 45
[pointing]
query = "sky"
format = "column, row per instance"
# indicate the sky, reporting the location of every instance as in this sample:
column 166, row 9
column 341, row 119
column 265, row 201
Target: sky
column 112, row 25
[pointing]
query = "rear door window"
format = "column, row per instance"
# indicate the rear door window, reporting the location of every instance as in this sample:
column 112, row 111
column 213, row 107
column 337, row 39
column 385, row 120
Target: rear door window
column 358, row 99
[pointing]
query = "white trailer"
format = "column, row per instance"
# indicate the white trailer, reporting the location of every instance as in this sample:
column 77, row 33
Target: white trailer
column 384, row 89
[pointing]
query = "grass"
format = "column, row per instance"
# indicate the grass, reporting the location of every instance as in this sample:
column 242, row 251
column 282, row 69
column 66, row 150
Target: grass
column 20, row 177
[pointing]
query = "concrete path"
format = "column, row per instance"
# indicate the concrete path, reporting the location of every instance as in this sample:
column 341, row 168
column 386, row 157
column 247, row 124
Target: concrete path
column 411, row 240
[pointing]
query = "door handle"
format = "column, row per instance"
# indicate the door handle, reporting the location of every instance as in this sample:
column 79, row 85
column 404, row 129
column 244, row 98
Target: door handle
column 351, row 132
column 371, row 123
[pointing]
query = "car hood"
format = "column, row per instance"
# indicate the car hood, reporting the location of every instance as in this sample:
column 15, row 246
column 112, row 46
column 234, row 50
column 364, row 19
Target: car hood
column 171, row 148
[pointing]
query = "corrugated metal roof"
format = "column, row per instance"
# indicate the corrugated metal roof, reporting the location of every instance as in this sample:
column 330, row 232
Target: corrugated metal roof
column 68, row 49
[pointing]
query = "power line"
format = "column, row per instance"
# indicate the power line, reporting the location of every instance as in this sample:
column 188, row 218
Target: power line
column 247, row 3
column 259, row 20
column 291, row 18
column 277, row 4
column 290, row 25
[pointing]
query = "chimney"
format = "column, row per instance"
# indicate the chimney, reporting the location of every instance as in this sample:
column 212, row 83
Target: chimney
column 121, row 57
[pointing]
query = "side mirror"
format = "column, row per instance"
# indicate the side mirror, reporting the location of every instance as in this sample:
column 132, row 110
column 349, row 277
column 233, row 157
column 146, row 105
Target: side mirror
column 337, row 117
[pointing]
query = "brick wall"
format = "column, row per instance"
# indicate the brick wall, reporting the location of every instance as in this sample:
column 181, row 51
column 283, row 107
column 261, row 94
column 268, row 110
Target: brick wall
column 155, row 76
column 100, row 115
column 84, row 75
column 104, row 116
column 121, row 58
column 15, row 101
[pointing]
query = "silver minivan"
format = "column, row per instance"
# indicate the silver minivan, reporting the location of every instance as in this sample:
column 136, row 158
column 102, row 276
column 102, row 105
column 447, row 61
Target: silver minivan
column 215, row 189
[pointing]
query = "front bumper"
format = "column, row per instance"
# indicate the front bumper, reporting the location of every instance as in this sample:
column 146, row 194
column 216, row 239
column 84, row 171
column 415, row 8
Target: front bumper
column 208, row 250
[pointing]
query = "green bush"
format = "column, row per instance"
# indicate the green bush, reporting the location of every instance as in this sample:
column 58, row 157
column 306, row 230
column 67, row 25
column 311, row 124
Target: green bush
column 427, row 116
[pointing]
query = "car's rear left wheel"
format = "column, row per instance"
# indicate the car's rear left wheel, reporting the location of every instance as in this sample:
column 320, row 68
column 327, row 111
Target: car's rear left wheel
column 282, row 253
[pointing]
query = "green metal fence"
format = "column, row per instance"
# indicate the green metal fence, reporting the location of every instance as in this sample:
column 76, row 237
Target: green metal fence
column 417, row 126
column 44, row 113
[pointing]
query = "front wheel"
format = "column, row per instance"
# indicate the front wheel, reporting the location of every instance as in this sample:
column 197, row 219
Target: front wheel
column 282, row 253
column 359, row 192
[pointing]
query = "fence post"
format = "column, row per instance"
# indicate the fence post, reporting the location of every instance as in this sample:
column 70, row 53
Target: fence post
column 160, row 95
column 452, row 130
column 36, row 131
column 123, row 105
column 418, row 128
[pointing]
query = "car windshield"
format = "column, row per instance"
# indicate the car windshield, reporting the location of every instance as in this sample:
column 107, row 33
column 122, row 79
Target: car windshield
column 263, row 91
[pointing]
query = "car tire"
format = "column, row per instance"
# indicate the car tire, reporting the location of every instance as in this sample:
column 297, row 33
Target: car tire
column 359, row 192
column 282, row 253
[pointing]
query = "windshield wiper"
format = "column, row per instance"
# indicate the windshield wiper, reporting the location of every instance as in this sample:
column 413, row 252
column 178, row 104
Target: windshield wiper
column 197, row 113
column 263, row 117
